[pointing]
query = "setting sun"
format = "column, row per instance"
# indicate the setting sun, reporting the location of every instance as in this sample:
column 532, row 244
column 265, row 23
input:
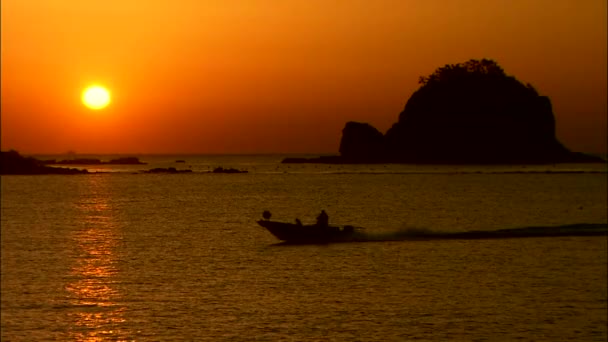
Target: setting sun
column 96, row 97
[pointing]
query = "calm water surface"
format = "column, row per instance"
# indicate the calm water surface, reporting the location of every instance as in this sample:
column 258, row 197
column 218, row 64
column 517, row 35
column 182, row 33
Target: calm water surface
column 122, row 256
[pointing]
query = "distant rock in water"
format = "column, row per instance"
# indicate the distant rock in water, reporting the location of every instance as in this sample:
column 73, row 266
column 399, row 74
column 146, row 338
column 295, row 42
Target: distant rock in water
column 463, row 114
column 12, row 163
column 229, row 170
column 166, row 170
column 126, row 161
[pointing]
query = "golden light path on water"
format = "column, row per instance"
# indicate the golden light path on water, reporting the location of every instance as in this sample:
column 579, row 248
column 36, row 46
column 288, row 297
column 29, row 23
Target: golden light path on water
column 97, row 315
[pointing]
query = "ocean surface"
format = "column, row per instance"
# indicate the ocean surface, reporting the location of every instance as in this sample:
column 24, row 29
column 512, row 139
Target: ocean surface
column 125, row 256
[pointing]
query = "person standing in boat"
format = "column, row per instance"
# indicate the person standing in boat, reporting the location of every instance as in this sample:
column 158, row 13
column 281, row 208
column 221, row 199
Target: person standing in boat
column 323, row 219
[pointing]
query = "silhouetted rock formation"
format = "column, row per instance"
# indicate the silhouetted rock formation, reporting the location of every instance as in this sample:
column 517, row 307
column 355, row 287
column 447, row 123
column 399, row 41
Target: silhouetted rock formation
column 229, row 170
column 12, row 163
column 166, row 170
column 463, row 113
column 361, row 141
column 475, row 113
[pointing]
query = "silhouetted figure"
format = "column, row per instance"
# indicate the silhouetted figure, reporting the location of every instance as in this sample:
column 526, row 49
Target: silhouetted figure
column 266, row 215
column 323, row 219
column 298, row 222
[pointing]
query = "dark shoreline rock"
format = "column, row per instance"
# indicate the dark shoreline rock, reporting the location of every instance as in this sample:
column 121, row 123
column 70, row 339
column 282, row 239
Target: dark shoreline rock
column 318, row 160
column 228, row 170
column 467, row 113
column 166, row 170
column 125, row 161
column 12, row 163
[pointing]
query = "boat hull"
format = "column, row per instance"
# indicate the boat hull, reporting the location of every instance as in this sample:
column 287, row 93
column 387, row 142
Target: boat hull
column 294, row 233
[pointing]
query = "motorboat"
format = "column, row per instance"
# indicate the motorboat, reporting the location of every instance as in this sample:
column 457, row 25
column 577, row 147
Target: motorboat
column 299, row 233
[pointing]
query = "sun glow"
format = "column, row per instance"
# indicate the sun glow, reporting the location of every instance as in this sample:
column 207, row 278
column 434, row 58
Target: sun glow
column 96, row 97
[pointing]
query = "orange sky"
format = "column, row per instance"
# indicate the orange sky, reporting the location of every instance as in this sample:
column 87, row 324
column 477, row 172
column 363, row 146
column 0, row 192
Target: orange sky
column 259, row 76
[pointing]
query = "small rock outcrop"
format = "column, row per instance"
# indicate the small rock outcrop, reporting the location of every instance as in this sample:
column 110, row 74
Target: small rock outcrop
column 126, row 161
column 361, row 141
column 166, row 170
column 228, row 170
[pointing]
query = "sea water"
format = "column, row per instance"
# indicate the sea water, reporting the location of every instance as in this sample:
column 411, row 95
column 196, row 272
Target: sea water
column 126, row 256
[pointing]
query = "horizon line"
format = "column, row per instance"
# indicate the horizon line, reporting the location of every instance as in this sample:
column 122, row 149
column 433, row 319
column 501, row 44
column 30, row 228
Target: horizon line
column 68, row 153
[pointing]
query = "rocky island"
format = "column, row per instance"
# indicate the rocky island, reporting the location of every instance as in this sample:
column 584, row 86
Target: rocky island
column 12, row 163
column 466, row 113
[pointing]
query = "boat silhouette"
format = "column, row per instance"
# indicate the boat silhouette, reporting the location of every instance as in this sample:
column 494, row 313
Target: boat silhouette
column 298, row 233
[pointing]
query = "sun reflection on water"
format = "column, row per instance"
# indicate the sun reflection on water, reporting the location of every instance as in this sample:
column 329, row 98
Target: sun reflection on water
column 94, row 287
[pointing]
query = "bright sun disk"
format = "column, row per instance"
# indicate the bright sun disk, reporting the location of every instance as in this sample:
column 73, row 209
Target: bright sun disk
column 96, row 97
